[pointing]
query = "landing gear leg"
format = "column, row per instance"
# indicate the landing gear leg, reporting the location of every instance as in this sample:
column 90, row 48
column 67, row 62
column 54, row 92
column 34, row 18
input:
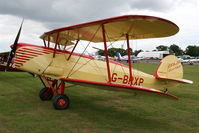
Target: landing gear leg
column 61, row 101
column 46, row 93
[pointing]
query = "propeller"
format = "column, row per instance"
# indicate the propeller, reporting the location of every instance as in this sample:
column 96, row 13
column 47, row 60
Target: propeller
column 13, row 49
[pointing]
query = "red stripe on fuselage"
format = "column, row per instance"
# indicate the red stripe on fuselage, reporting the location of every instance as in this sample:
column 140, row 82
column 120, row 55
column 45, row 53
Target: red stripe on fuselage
column 24, row 56
column 20, row 45
column 33, row 50
column 28, row 51
column 20, row 61
column 17, row 63
column 23, row 59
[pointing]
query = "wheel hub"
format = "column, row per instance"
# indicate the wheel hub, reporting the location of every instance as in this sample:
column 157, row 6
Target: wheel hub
column 61, row 102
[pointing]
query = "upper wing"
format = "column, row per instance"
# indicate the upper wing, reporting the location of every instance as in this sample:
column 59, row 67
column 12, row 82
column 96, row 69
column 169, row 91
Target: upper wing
column 116, row 28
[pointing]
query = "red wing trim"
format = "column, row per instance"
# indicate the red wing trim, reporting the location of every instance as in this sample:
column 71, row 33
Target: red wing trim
column 120, row 86
column 104, row 21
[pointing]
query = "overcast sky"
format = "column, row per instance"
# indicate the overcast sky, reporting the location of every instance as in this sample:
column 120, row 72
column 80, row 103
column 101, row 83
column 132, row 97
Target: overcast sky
column 44, row 15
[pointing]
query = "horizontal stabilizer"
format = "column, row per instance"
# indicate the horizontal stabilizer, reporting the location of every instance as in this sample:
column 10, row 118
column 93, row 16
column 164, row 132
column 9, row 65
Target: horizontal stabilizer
column 178, row 80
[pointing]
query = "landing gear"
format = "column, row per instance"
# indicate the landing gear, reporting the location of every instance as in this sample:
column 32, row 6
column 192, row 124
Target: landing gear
column 46, row 94
column 61, row 101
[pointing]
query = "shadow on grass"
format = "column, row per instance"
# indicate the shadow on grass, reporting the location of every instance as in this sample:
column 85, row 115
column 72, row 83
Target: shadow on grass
column 109, row 117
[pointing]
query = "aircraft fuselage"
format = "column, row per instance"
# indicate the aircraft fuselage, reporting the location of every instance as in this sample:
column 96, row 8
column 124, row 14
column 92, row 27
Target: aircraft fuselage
column 39, row 60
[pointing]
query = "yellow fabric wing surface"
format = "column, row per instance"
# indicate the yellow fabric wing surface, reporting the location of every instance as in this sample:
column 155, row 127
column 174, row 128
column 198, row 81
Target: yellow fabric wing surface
column 136, row 26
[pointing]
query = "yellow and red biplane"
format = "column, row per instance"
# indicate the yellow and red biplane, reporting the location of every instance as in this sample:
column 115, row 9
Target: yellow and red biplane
column 55, row 65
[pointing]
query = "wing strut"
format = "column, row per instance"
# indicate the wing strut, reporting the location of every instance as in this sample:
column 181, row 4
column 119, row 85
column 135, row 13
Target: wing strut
column 57, row 38
column 65, row 45
column 106, row 53
column 72, row 50
column 44, row 42
column 129, row 58
column 48, row 41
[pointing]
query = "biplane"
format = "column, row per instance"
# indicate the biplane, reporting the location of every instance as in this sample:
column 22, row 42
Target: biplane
column 55, row 65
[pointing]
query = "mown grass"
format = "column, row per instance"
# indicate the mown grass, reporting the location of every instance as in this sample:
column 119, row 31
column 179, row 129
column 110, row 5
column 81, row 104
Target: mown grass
column 95, row 110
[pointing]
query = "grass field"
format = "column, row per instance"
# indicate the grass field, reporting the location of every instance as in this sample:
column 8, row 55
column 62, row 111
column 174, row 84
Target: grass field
column 94, row 110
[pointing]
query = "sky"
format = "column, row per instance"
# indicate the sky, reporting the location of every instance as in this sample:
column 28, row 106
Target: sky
column 44, row 15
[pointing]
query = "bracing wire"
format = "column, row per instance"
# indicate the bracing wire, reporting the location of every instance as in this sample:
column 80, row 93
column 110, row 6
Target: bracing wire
column 93, row 62
column 98, row 68
column 69, row 74
column 111, row 44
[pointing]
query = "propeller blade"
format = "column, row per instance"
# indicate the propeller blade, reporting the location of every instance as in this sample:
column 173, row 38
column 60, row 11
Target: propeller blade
column 17, row 37
column 13, row 50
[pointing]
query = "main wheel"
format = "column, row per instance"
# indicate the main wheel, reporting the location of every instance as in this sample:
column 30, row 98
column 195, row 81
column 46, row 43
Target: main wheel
column 46, row 94
column 61, row 102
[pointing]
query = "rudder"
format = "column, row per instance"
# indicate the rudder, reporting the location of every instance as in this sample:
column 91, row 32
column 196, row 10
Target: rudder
column 171, row 68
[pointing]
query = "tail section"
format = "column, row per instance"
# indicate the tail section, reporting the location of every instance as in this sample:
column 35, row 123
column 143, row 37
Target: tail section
column 170, row 68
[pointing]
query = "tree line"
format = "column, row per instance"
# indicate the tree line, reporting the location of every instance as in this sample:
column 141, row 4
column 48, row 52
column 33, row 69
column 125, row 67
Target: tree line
column 112, row 52
column 191, row 50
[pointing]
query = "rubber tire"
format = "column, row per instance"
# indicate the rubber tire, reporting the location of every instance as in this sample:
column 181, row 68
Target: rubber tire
column 61, row 102
column 47, row 97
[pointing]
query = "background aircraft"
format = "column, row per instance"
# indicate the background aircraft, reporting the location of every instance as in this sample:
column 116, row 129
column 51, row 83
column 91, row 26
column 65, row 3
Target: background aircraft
column 3, row 62
column 125, row 58
column 188, row 59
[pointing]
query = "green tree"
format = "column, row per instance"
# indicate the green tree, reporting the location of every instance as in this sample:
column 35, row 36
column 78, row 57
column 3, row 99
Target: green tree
column 101, row 52
column 175, row 49
column 112, row 52
column 131, row 51
column 137, row 52
column 192, row 50
column 162, row 48
column 122, row 51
